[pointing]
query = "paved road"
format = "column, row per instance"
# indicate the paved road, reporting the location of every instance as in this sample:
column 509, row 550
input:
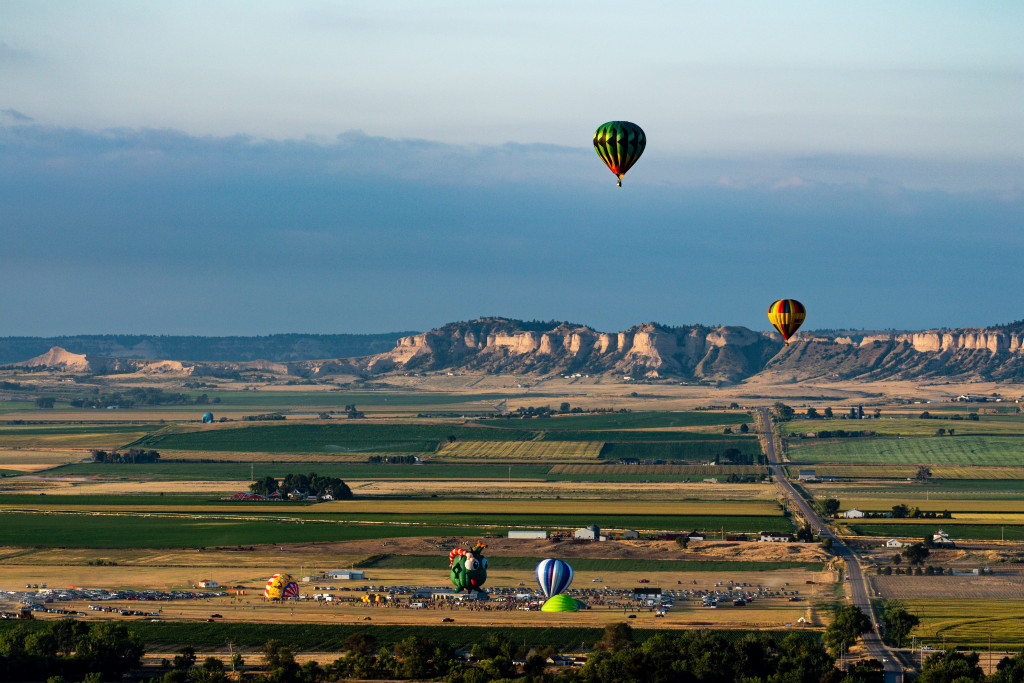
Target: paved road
column 858, row 585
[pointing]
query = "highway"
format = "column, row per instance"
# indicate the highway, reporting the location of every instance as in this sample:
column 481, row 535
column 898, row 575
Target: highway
column 858, row 584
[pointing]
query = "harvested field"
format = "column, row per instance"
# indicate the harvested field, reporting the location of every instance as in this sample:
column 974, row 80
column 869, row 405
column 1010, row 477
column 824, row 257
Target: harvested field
column 705, row 470
column 1007, row 583
column 569, row 489
column 547, row 451
column 967, row 450
column 35, row 460
column 957, row 507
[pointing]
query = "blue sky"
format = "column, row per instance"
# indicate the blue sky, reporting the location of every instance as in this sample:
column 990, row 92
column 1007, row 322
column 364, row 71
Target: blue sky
column 258, row 167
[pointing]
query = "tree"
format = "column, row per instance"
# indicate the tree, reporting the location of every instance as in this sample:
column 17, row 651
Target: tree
column 916, row 553
column 951, row 666
column 363, row 643
column 744, row 428
column 829, row 507
column 898, row 621
column 265, row 486
column 900, row 511
column 973, row 417
column 812, row 414
column 925, row 416
column 826, row 542
column 564, row 407
column 828, row 412
column 44, row 402
column 784, row 412
column 878, row 413
column 896, row 559
column 414, row 653
column 847, row 625
column 923, row 472
column 616, row 636
column 805, row 534
column 941, row 431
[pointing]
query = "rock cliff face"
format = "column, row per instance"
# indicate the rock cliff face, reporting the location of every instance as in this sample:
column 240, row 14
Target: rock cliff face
column 650, row 350
column 723, row 354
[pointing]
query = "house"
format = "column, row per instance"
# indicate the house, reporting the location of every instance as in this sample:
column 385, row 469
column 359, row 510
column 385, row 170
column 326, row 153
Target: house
column 853, row 513
column 524, row 534
column 590, row 533
column 711, row 480
column 775, row 537
column 208, row 583
column 346, row 574
column 940, row 539
column 806, row 475
column 630, row 535
column 696, row 536
column 893, row 543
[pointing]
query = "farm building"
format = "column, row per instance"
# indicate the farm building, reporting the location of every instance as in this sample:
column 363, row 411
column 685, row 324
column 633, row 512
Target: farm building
column 940, row 539
column 893, row 543
column 208, row 583
column 590, row 533
column 524, row 534
column 853, row 513
column 775, row 537
column 346, row 574
column 696, row 536
column 630, row 535
column 806, row 475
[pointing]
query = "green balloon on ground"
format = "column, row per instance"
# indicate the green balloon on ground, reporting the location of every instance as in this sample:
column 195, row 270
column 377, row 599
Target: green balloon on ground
column 561, row 603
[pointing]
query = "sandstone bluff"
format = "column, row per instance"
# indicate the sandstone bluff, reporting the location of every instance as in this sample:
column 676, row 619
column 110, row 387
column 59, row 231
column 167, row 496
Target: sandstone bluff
column 725, row 354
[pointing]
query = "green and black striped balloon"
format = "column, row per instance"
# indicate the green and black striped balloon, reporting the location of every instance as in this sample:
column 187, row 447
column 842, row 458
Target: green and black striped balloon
column 619, row 144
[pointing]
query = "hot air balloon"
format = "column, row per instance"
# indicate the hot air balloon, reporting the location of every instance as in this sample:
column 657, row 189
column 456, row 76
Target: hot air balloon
column 468, row 568
column 553, row 576
column 619, row 144
column 207, row 418
column 787, row 315
column 561, row 603
column 281, row 587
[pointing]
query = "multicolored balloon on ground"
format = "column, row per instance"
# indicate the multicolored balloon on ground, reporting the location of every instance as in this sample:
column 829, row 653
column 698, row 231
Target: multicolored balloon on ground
column 281, row 587
column 619, row 144
column 207, row 418
column 787, row 315
column 468, row 568
column 553, row 576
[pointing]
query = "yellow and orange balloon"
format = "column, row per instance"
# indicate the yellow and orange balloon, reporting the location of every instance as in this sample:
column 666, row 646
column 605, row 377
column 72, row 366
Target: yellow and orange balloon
column 787, row 315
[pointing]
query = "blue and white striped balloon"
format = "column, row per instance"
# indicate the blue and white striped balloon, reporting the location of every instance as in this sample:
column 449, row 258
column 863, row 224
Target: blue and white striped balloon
column 553, row 576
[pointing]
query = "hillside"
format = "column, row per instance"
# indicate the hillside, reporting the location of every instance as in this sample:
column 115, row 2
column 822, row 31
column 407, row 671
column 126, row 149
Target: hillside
column 724, row 354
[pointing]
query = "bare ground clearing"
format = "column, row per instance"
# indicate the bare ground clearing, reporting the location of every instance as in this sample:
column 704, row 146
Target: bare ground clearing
column 1006, row 584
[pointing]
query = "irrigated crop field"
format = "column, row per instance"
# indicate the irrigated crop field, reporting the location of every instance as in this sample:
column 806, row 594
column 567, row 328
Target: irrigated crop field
column 909, row 471
column 998, row 451
column 514, row 451
column 969, row 623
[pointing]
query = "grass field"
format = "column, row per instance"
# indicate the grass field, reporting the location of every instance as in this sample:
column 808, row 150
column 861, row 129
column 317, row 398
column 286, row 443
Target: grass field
column 963, row 623
column 998, row 451
column 362, row 399
column 931, row 505
column 643, row 470
column 146, row 530
column 973, row 532
column 96, row 436
column 327, row 438
column 584, row 564
column 987, row 425
column 521, row 450
column 694, row 451
column 908, row 472
column 639, row 420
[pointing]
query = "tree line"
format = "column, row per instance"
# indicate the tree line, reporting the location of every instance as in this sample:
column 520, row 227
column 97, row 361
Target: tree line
column 132, row 455
column 309, row 484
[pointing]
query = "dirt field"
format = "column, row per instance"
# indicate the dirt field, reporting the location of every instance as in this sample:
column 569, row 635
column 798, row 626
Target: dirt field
column 1006, row 583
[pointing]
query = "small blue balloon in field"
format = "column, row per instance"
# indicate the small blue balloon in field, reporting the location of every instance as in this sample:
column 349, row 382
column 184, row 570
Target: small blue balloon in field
column 553, row 576
column 207, row 418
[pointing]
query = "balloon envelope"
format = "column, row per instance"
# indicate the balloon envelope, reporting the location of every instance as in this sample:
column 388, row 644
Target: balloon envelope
column 553, row 576
column 561, row 603
column 619, row 144
column 787, row 315
column 281, row 587
column 207, row 418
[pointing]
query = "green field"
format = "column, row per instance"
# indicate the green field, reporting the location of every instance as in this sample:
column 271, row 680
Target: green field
column 185, row 530
column 987, row 425
column 972, row 532
column 583, row 564
column 239, row 471
column 328, row 438
column 968, row 623
column 1001, row 451
column 650, row 436
column 648, row 420
column 693, row 451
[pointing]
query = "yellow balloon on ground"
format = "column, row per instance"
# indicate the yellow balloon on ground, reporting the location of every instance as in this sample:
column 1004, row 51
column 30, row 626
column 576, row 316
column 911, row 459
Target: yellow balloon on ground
column 281, row 587
column 561, row 603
